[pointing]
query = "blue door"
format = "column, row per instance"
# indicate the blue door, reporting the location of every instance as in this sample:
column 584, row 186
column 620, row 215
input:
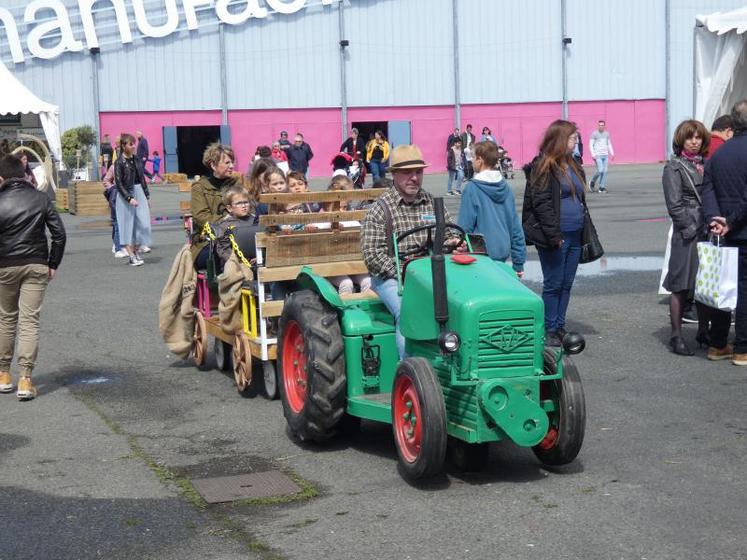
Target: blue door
column 170, row 152
column 399, row 133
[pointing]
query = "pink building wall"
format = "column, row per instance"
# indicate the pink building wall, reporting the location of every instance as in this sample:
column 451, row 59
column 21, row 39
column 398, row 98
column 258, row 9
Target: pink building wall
column 636, row 127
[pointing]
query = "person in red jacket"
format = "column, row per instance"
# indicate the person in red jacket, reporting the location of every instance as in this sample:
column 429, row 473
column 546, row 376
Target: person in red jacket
column 721, row 131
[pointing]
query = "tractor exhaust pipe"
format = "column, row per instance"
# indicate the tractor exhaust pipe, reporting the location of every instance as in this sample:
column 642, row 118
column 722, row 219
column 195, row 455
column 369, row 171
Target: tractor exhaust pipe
column 438, row 266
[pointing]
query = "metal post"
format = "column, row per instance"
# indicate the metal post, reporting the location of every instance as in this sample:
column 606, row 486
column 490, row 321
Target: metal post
column 667, row 77
column 343, row 74
column 223, row 79
column 96, row 111
column 457, row 92
column 564, row 59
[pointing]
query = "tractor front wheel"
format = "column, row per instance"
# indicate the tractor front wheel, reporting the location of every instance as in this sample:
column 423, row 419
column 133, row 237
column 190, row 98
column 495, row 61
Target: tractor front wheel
column 311, row 365
column 568, row 421
column 418, row 419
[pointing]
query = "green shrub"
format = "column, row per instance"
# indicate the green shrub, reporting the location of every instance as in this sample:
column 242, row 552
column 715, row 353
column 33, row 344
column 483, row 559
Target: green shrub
column 81, row 138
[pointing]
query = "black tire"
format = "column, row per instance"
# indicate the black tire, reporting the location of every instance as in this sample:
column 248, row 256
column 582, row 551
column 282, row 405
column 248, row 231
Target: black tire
column 468, row 457
column 420, row 440
column 222, row 352
column 269, row 380
column 569, row 420
column 313, row 407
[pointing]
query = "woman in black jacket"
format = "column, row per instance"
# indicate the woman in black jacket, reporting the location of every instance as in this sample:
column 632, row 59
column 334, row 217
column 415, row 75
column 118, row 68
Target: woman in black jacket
column 682, row 180
column 553, row 220
column 133, row 213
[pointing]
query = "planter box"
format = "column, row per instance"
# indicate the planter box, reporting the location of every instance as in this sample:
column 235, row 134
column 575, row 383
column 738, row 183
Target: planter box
column 86, row 198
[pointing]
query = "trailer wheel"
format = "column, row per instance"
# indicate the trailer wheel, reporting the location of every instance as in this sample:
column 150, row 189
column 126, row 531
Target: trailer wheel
column 242, row 364
column 269, row 376
column 311, row 362
column 568, row 422
column 222, row 351
column 200, row 342
column 418, row 419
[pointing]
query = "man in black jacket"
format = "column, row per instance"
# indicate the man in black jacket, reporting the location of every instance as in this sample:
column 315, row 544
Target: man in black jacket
column 26, row 266
column 724, row 197
column 299, row 155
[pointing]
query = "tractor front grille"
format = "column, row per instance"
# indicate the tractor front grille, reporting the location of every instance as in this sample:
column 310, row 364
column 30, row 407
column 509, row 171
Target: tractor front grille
column 506, row 342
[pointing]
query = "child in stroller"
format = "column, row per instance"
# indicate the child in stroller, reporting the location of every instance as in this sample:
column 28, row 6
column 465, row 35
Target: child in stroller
column 343, row 164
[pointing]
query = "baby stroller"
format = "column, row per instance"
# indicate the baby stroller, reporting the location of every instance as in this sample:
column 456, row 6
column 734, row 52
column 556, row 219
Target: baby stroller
column 505, row 163
column 343, row 163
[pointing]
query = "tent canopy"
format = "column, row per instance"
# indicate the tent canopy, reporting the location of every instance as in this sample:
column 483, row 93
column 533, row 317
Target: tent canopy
column 720, row 71
column 15, row 98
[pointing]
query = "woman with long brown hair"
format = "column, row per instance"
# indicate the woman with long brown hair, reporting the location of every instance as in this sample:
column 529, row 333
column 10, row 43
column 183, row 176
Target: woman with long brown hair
column 553, row 220
column 132, row 207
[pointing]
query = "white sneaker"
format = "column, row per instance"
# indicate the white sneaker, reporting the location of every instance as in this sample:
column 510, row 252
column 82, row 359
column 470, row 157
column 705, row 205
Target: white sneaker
column 114, row 249
column 145, row 249
column 134, row 261
column 121, row 254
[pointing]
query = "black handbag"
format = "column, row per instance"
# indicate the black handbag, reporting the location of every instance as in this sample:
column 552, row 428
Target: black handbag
column 591, row 248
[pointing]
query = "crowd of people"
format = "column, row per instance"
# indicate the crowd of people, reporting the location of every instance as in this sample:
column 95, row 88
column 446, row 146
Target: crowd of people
column 704, row 186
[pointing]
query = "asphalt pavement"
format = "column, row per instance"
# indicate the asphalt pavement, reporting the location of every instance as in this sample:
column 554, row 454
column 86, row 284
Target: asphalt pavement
column 98, row 465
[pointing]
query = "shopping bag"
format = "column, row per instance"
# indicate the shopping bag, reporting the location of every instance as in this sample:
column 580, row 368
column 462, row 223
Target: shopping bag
column 716, row 281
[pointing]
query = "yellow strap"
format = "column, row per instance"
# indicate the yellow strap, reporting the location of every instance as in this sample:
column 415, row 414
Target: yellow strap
column 207, row 231
column 237, row 250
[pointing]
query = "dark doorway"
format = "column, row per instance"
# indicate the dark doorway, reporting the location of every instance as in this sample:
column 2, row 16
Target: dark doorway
column 191, row 142
column 366, row 129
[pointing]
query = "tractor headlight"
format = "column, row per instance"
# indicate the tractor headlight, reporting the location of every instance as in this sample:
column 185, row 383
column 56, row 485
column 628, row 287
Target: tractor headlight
column 449, row 342
column 573, row 343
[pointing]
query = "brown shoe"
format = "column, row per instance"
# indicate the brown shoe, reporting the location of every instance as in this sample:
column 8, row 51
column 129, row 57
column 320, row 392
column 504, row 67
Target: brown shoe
column 739, row 359
column 6, row 382
column 724, row 353
column 26, row 390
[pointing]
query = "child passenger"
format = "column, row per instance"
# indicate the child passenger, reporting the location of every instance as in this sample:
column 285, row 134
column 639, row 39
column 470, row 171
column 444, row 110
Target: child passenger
column 240, row 215
column 345, row 284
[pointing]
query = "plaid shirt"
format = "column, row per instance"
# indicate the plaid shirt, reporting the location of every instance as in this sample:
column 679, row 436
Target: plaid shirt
column 404, row 216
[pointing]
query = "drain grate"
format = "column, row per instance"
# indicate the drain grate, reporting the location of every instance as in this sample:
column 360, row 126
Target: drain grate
column 245, row 486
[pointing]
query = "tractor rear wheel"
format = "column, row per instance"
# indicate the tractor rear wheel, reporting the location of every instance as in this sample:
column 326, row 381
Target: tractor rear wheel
column 311, row 363
column 418, row 419
column 568, row 422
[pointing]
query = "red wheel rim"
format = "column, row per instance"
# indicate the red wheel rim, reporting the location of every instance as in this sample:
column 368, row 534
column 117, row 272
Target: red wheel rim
column 408, row 429
column 551, row 439
column 295, row 375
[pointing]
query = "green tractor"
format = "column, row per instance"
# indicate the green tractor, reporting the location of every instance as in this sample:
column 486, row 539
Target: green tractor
column 476, row 370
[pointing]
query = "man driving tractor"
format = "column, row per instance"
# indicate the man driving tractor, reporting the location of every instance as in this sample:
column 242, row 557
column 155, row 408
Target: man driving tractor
column 404, row 206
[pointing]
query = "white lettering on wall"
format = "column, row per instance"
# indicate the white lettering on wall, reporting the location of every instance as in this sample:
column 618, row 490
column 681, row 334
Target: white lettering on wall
column 59, row 26
column 11, row 32
column 163, row 30
column 283, row 7
column 61, row 23
column 189, row 11
column 252, row 10
column 86, row 15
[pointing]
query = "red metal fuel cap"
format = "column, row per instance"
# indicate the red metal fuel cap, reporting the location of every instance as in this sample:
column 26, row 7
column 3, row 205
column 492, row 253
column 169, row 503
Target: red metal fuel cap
column 463, row 259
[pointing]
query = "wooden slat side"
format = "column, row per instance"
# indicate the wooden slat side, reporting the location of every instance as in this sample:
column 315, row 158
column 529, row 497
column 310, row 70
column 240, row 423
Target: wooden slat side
column 325, row 217
column 307, row 248
column 320, row 196
column 344, row 268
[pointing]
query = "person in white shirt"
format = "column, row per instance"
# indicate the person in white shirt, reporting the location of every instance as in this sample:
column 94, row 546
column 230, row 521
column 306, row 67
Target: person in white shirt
column 601, row 150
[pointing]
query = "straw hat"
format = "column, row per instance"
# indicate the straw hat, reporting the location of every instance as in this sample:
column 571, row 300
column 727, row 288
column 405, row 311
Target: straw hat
column 406, row 156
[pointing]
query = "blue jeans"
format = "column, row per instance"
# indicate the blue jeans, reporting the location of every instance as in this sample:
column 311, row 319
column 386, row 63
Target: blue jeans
column 378, row 170
column 558, row 272
column 115, row 228
column 455, row 175
column 387, row 291
column 601, row 174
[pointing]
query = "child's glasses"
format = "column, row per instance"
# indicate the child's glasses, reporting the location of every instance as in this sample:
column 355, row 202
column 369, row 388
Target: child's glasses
column 242, row 204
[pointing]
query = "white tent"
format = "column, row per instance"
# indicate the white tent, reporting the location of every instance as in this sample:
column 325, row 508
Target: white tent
column 15, row 98
column 720, row 66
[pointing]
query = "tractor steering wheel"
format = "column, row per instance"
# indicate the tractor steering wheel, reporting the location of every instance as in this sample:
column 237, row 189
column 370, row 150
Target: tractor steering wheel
column 429, row 242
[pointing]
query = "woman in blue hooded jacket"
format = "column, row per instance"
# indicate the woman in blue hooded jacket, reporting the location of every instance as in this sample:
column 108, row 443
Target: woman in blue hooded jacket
column 488, row 208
